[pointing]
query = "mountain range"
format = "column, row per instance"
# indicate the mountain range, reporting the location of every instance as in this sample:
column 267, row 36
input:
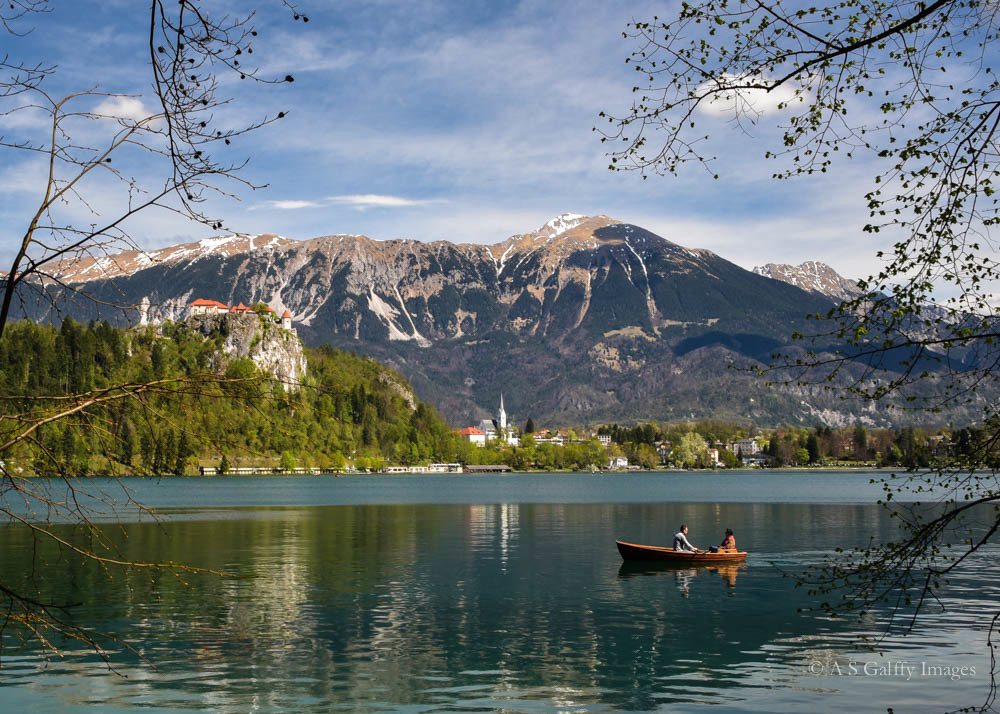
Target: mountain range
column 585, row 319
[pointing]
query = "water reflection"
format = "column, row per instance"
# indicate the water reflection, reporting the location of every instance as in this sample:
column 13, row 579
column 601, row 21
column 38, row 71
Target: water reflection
column 682, row 574
column 481, row 607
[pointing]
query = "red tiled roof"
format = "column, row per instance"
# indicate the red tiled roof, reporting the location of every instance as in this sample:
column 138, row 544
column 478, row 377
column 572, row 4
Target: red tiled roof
column 285, row 314
column 471, row 431
column 202, row 302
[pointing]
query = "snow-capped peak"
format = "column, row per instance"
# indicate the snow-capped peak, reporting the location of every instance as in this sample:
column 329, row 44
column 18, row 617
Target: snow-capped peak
column 562, row 223
column 812, row 276
column 210, row 244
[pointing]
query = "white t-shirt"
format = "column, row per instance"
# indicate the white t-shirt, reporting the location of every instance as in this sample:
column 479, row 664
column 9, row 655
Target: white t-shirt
column 681, row 542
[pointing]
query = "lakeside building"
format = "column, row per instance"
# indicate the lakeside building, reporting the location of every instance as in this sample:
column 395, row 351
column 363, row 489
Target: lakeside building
column 473, row 435
column 548, row 437
column 493, row 429
column 429, row 469
column 746, row 447
column 260, row 471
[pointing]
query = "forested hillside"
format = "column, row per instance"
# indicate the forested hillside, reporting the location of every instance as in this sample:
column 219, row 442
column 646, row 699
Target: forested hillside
column 201, row 408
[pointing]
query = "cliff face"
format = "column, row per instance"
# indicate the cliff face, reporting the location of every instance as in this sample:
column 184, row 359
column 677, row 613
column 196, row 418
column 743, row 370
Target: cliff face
column 273, row 350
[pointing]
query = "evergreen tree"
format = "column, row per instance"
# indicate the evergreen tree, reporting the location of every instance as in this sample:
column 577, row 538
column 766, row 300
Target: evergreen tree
column 812, row 447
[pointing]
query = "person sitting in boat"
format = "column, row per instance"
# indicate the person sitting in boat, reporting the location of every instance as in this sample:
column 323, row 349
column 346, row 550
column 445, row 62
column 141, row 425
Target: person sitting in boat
column 728, row 544
column 681, row 543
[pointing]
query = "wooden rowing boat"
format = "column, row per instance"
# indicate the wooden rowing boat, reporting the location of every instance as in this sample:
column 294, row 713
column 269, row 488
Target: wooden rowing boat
column 634, row 551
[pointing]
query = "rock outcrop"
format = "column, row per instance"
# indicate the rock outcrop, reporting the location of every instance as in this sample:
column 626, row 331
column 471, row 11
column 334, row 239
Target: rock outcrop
column 274, row 350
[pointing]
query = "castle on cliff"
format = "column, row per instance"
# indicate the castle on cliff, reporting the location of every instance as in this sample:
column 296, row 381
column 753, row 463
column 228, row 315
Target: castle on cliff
column 202, row 306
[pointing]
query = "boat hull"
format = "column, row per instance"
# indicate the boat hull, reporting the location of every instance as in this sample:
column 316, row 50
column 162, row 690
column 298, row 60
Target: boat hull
column 635, row 551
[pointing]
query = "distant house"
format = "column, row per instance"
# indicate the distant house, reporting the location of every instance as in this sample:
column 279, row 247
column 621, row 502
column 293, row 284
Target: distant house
column 605, row 440
column 473, row 435
column 488, row 428
column 549, row 437
column 761, row 460
column 746, row 447
column 617, row 463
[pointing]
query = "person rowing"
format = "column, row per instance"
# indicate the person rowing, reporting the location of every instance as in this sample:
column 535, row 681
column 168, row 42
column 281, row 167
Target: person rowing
column 681, row 543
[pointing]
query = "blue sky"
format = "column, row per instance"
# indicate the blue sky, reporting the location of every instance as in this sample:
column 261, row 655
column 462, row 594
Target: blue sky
column 466, row 121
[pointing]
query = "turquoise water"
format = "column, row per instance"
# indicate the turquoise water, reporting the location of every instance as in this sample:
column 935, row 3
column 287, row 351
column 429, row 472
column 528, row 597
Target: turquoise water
column 448, row 593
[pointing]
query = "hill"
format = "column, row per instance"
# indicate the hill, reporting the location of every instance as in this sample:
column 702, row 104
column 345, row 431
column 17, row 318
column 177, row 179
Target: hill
column 210, row 401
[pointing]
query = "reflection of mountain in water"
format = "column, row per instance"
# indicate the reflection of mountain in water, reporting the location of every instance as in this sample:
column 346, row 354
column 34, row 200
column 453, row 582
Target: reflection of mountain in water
column 484, row 606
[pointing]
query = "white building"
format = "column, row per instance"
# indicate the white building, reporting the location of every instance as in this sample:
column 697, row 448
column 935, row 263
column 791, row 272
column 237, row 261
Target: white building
column 746, row 447
column 201, row 306
column 474, row 435
column 498, row 428
column 505, row 432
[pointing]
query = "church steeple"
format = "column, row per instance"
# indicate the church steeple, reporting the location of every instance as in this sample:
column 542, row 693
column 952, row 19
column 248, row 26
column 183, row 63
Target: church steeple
column 502, row 416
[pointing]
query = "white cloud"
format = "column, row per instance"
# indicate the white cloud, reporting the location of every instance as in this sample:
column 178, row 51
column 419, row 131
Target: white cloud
column 287, row 205
column 374, row 200
column 734, row 99
column 123, row 107
column 360, row 202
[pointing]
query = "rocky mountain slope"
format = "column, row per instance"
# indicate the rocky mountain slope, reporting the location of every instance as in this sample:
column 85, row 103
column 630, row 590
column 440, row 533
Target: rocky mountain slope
column 814, row 277
column 587, row 318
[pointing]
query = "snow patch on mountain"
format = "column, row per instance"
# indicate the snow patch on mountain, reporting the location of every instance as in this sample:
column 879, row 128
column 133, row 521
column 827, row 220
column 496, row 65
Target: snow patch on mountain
column 388, row 315
column 561, row 224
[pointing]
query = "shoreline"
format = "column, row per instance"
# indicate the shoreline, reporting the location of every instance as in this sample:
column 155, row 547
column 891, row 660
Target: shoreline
column 512, row 472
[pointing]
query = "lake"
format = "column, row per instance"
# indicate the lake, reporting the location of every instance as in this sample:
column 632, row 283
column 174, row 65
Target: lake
column 481, row 593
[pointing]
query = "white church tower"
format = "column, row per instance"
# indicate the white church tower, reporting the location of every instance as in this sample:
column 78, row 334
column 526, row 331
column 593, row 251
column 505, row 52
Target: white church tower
column 502, row 417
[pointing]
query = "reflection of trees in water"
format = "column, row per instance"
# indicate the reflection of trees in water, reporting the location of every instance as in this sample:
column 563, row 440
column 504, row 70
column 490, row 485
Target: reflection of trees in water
column 365, row 603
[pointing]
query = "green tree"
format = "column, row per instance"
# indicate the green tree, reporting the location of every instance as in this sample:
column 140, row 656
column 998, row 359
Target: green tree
column 337, row 461
column 860, row 441
column 689, row 449
column 647, row 457
column 801, row 456
column 183, row 454
column 288, row 461
column 812, row 449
